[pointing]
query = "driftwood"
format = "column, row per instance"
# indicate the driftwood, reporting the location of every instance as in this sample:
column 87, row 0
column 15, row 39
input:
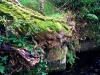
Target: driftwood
column 19, row 59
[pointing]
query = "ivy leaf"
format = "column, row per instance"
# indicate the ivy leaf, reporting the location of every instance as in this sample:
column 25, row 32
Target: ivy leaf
column 39, row 69
column 3, row 59
column 23, row 43
column 20, row 44
column 39, row 51
column 32, row 53
column 43, row 73
column 12, row 39
column 41, row 61
column 30, row 49
column 1, row 68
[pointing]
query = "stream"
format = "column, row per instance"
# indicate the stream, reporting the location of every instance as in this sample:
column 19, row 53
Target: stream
column 88, row 63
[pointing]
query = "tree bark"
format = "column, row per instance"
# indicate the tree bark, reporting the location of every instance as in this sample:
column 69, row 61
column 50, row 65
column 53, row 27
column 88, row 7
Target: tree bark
column 16, row 1
column 41, row 2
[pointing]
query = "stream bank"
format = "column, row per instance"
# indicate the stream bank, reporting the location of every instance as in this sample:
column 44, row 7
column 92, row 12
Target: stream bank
column 88, row 63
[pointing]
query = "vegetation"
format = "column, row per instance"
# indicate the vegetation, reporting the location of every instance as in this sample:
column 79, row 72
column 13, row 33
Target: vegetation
column 49, row 8
column 85, row 11
column 24, row 27
column 45, row 37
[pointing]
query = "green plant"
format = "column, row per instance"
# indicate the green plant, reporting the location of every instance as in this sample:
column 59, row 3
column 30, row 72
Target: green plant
column 22, row 41
column 1, row 68
column 3, row 20
column 49, row 8
column 42, row 68
column 31, row 4
column 92, row 17
column 4, row 67
column 71, row 56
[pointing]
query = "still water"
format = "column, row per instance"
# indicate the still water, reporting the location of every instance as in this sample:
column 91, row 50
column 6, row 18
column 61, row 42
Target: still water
column 88, row 63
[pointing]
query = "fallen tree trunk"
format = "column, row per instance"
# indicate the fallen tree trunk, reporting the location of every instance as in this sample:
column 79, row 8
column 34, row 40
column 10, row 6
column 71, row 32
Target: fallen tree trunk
column 44, row 35
column 29, row 32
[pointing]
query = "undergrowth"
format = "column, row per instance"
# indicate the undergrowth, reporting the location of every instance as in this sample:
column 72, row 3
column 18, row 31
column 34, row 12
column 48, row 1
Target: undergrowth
column 49, row 8
column 20, row 41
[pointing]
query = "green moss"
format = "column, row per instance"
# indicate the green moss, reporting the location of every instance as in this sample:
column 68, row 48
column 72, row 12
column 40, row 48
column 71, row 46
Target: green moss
column 28, row 15
column 55, row 26
column 56, row 54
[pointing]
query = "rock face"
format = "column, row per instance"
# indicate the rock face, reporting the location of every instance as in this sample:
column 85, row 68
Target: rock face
column 86, row 46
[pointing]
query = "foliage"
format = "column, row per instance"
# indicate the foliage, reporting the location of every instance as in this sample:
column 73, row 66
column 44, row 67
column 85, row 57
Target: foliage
column 42, row 68
column 21, row 41
column 71, row 54
column 1, row 68
column 4, row 67
column 22, row 29
column 32, row 19
column 80, row 7
column 2, row 20
column 92, row 17
column 48, row 7
column 33, row 4
column 17, row 42
column 59, row 3
column 86, row 11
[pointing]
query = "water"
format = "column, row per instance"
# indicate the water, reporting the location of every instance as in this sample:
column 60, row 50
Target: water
column 88, row 63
